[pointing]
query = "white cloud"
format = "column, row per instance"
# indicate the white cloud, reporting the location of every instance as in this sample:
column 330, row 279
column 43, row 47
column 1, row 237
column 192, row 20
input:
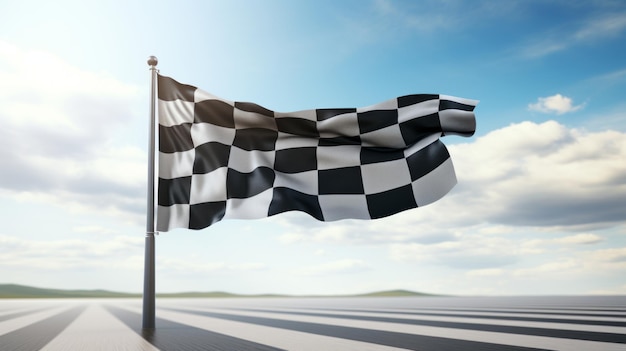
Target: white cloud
column 57, row 141
column 473, row 252
column 544, row 174
column 592, row 263
column 398, row 228
column 486, row 272
column 190, row 265
column 345, row 266
column 113, row 252
column 94, row 229
column 558, row 104
column 433, row 16
column 196, row 264
column 611, row 77
column 608, row 25
column 543, row 48
column 550, row 267
column 616, row 256
column 604, row 26
column 536, row 246
column 248, row 266
column 579, row 239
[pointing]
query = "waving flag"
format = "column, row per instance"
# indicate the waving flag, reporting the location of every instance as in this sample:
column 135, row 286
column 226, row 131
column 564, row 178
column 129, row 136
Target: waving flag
column 220, row 159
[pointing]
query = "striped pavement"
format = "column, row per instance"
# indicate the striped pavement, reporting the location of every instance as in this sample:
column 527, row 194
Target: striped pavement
column 376, row 324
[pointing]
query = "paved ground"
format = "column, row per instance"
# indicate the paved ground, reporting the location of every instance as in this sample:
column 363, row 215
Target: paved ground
column 427, row 324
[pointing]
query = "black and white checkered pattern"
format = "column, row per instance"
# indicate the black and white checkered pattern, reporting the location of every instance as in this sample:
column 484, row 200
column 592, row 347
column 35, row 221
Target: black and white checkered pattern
column 534, row 323
column 222, row 159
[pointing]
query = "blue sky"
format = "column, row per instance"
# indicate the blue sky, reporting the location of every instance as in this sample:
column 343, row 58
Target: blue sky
column 540, row 207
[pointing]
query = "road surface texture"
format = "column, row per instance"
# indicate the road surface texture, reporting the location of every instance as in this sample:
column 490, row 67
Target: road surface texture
column 319, row 324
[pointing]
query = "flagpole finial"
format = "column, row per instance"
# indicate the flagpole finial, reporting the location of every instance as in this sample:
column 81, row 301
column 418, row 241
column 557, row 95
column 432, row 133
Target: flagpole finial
column 152, row 61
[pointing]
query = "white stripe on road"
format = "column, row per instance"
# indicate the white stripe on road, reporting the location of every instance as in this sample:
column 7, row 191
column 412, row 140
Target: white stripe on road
column 96, row 329
column 619, row 317
column 468, row 319
column 16, row 323
column 559, row 344
column 270, row 336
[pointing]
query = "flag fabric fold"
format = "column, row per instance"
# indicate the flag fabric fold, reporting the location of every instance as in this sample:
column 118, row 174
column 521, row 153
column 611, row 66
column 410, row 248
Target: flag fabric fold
column 221, row 159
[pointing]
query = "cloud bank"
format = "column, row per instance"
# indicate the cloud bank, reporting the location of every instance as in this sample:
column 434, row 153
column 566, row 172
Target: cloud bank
column 535, row 202
column 57, row 141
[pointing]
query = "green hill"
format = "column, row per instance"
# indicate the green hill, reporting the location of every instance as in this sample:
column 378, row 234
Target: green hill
column 214, row 294
column 22, row 291
column 393, row 293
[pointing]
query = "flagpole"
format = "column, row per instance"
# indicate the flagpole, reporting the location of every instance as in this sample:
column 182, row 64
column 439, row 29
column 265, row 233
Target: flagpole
column 149, row 271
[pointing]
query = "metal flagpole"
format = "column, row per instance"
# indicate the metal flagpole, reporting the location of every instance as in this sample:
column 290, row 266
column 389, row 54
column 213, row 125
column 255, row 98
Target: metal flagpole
column 149, row 271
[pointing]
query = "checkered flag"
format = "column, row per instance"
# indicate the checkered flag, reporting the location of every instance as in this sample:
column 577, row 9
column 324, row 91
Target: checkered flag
column 221, row 159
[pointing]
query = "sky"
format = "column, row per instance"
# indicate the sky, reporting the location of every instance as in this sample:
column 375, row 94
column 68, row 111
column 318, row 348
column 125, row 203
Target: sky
column 540, row 204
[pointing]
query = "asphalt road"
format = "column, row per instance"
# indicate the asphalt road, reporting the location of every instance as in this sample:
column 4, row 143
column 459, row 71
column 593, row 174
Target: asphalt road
column 318, row 324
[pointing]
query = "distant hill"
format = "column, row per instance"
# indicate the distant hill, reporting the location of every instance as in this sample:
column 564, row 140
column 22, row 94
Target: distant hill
column 393, row 293
column 23, row 291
